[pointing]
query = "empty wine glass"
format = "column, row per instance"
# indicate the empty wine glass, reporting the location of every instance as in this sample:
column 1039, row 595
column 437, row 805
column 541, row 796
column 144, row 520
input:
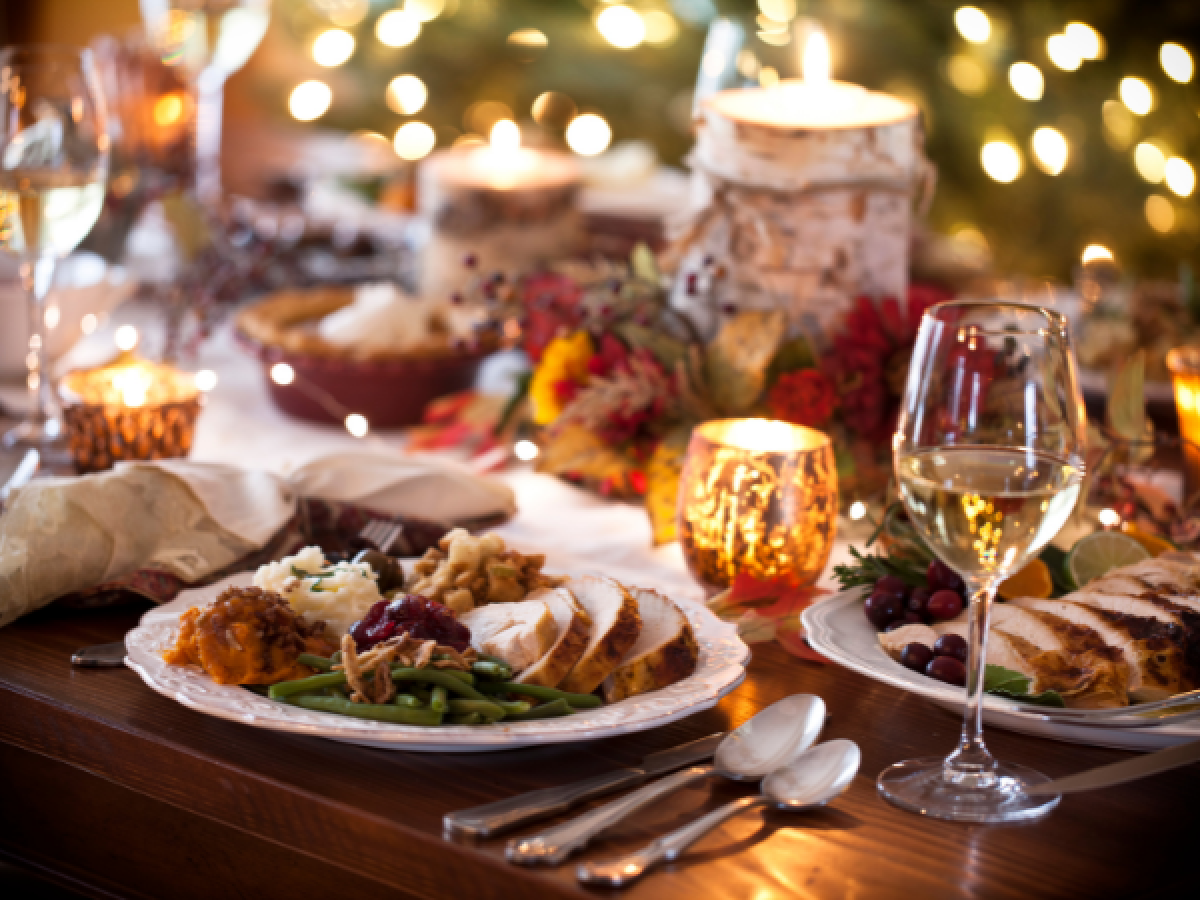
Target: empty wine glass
column 989, row 456
column 53, row 166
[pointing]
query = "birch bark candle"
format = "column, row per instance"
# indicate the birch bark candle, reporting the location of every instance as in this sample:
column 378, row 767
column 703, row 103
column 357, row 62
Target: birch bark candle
column 803, row 195
column 509, row 208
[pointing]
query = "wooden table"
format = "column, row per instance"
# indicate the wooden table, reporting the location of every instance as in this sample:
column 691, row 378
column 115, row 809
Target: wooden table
column 113, row 790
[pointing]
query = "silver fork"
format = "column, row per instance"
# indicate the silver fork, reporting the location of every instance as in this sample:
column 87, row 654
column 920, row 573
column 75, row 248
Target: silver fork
column 382, row 534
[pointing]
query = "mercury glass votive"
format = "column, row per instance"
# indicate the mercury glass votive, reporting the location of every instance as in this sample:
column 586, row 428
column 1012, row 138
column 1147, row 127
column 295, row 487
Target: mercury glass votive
column 130, row 409
column 757, row 497
column 1184, row 363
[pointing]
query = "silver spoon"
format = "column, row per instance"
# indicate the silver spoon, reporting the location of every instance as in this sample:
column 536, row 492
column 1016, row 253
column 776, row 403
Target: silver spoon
column 813, row 779
column 767, row 742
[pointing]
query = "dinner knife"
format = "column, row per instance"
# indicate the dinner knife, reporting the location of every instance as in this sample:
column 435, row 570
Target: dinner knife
column 493, row 818
column 1121, row 772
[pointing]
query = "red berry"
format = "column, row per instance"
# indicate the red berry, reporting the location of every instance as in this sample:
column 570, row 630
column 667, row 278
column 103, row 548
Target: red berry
column 944, row 605
column 892, row 584
column 918, row 600
column 916, row 656
column 953, row 645
column 941, row 577
column 947, row 669
column 883, row 609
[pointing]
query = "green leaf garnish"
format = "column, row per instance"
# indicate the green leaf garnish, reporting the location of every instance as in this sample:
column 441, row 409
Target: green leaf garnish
column 1007, row 683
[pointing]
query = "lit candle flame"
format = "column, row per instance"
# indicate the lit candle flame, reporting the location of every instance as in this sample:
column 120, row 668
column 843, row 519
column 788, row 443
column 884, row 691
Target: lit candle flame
column 505, row 136
column 816, row 64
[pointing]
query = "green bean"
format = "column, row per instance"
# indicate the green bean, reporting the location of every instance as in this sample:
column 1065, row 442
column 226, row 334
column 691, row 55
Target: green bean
column 487, row 669
column 469, row 719
column 438, row 699
column 315, row 662
column 513, row 707
column 411, row 702
column 438, row 676
column 421, row 692
column 303, row 685
column 460, row 675
column 490, row 711
column 487, row 657
column 550, row 710
column 577, row 701
column 381, row 712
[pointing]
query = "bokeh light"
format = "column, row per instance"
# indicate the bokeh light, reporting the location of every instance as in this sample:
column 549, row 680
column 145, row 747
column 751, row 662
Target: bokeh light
column 89, row 323
column 357, row 425
column 205, row 379
column 1001, row 161
column 778, row 10
column 1160, row 214
column 414, row 140
column 661, row 27
column 168, row 109
column 528, row 37
column 1063, row 53
column 1180, row 176
column 621, row 26
column 1093, row 253
column 126, row 338
column 406, row 94
column 1150, row 162
column 588, row 134
column 397, row 28
column 1050, row 150
column 505, row 136
column 1026, row 80
column 966, row 74
column 1137, row 95
column 332, row 48
column 1177, row 62
column 857, row 511
column 1085, row 39
column 282, row 374
column 525, row 451
column 425, row 10
column 973, row 24
column 310, row 100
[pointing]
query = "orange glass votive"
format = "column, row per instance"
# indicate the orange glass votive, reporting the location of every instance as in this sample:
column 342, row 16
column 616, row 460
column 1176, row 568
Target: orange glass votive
column 1184, row 363
column 130, row 409
column 757, row 497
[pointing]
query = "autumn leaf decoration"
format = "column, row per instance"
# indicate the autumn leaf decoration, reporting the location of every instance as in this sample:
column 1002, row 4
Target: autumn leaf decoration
column 767, row 609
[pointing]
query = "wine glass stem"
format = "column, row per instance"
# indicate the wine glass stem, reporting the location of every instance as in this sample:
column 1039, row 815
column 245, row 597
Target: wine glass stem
column 37, row 274
column 971, row 765
column 209, row 111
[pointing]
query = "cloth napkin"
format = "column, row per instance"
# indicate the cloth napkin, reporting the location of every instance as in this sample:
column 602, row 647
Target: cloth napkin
column 192, row 520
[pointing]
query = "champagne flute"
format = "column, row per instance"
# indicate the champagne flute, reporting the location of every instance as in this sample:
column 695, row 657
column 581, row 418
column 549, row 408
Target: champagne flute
column 989, row 456
column 53, row 166
column 208, row 40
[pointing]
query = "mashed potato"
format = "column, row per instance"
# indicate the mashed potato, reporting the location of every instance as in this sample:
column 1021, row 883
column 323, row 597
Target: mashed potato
column 340, row 594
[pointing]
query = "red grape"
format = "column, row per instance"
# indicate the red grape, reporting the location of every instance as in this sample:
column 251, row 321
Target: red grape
column 882, row 609
column 892, row 584
column 951, row 645
column 918, row 600
column 916, row 656
column 944, row 605
column 942, row 578
column 947, row 669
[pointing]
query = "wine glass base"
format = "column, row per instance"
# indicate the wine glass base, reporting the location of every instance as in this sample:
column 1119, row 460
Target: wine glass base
column 47, row 436
column 920, row 785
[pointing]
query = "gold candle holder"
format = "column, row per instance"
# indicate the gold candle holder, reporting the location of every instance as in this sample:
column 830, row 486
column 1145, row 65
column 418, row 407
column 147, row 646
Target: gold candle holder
column 131, row 409
column 757, row 497
column 1184, row 363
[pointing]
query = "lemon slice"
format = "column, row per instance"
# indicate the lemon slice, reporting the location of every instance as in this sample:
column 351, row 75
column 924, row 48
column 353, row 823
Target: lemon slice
column 1100, row 553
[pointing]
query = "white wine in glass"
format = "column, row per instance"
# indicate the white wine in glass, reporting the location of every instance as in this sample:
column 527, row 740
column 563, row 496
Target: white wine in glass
column 988, row 454
column 53, row 167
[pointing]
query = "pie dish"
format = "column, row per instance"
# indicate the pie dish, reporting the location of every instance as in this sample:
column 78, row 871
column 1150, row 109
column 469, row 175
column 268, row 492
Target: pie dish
column 721, row 668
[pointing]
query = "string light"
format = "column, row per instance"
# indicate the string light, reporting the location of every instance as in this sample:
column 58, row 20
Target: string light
column 1096, row 253
column 205, row 379
column 1001, row 161
column 283, row 374
column 310, row 100
column 588, row 135
column 1176, row 62
column 1150, row 162
column 621, row 26
column 397, row 28
column 1063, row 52
column 1137, row 95
column 1160, row 214
column 526, row 451
column 1050, row 150
column 406, row 94
column 1180, row 176
column 973, row 24
column 414, row 140
column 1026, row 80
column 332, row 48
column 357, row 425
column 1085, row 39
column 126, row 338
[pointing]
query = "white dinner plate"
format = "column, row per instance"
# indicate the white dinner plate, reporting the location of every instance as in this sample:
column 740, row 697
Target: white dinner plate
column 837, row 628
column 721, row 668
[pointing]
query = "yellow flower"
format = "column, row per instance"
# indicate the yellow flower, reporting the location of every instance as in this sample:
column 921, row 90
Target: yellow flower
column 564, row 359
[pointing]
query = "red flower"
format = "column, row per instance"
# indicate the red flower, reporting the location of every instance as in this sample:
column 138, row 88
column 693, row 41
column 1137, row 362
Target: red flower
column 805, row 397
column 552, row 308
column 610, row 355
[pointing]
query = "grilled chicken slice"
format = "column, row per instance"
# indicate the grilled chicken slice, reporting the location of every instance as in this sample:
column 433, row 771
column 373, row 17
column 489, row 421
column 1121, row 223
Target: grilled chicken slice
column 574, row 627
column 616, row 625
column 1154, row 657
column 520, row 633
column 664, row 653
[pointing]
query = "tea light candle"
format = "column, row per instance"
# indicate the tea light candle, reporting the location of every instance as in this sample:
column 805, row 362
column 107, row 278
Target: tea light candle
column 757, row 497
column 804, row 193
column 130, row 409
column 1184, row 363
column 507, row 207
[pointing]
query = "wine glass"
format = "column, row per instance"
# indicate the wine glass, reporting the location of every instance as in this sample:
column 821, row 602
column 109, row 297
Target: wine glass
column 53, row 166
column 989, row 456
column 208, row 40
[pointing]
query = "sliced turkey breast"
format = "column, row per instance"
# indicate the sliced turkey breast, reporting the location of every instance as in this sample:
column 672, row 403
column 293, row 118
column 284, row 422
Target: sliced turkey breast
column 665, row 651
column 894, row 642
column 574, row 627
column 519, row 633
column 616, row 625
column 1001, row 649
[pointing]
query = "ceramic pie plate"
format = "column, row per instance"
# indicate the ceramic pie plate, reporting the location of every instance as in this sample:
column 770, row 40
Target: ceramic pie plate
column 721, row 668
column 837, row 629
